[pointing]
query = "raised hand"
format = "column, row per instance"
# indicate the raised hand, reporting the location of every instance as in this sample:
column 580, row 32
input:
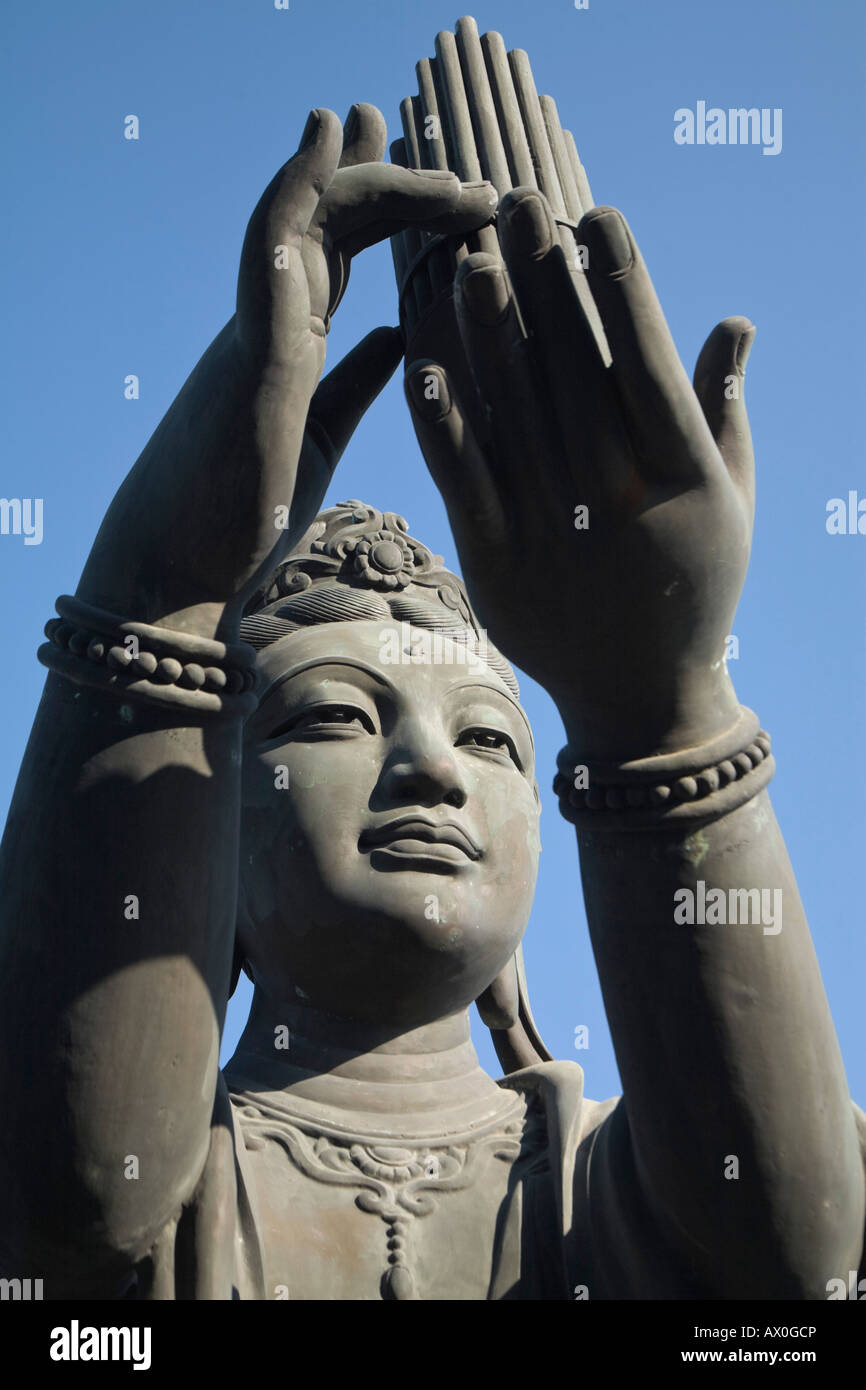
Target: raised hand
column 620, row 610
column 238, row 467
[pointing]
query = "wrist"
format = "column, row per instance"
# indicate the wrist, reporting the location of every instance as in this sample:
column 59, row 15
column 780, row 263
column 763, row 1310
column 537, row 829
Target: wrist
column 692, row 785
column 166, row 667
column 629, row 724
column 216, row 621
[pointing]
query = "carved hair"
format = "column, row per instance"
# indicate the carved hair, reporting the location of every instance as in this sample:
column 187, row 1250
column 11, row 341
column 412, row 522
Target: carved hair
column 357, row 564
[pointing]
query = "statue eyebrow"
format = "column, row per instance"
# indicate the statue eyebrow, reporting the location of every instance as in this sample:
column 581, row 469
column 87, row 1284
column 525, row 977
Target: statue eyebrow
column 310, row 665
column 355, row 664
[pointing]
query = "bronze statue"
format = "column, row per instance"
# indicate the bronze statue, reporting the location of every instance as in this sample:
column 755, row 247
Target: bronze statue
column 283, row 741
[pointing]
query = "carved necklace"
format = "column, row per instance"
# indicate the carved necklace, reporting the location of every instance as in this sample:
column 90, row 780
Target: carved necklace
column 399, row 1183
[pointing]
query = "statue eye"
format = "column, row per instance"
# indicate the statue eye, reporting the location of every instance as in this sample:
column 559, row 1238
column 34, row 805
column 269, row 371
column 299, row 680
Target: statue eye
column 324, row 719
column 491, row 741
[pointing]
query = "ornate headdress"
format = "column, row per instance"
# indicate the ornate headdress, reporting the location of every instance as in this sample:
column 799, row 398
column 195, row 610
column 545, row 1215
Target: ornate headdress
column 358, row 564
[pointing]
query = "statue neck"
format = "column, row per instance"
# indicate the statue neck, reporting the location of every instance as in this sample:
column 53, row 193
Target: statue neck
column 375, row 1078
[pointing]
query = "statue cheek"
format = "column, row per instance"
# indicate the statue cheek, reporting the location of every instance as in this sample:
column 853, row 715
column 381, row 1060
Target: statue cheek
column 266, row 780
column 513, row 828
column 533, row 838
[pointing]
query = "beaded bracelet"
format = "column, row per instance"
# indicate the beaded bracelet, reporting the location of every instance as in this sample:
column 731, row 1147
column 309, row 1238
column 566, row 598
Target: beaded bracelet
column 156, row 665
column 695, row 784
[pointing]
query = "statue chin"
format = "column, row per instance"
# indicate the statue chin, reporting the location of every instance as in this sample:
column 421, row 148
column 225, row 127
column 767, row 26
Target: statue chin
column 408, row 962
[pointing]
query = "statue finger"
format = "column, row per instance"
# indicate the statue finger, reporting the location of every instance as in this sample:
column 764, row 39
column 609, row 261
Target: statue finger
column 369, row 202
column 664, row 416
column 513, row 392
column 290, row 201
column 720, row 387
column 562, row 338
column 456, row 461
column 365, row 136
column 277, row 231
column 347, row 392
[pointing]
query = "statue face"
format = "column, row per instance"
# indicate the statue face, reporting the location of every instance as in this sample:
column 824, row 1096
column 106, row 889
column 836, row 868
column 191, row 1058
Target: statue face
column 389, row 839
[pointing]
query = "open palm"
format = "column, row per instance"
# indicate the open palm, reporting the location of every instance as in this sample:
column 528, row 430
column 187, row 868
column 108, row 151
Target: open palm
column 603, row 512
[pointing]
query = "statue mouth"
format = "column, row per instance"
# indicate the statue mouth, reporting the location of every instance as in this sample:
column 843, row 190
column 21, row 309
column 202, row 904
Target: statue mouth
column 417, row 837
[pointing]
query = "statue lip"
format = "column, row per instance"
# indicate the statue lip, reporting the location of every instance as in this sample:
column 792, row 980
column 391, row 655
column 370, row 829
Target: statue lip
column 415, row 827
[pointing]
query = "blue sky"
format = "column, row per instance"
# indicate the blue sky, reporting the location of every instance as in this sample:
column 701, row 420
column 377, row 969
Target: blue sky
column 121, row 257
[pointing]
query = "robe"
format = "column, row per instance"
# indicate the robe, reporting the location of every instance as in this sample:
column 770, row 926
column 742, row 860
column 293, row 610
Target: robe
column 570, row 1223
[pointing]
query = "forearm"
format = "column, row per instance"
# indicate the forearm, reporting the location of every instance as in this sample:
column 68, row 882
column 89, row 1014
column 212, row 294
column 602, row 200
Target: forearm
column 194, row 523
column 738, row 1105
column 118, row 876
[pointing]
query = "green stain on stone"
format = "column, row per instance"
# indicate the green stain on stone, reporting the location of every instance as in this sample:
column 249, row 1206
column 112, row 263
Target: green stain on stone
column 696, row 847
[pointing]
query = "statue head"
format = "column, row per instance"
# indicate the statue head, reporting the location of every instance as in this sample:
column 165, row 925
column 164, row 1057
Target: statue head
column 389, row 837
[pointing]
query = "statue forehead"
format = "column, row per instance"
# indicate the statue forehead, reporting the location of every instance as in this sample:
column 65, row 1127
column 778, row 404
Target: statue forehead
column 387, row 650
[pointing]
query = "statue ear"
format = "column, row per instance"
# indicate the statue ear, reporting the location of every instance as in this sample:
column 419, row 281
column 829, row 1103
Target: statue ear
column 499, row 1005
column 504, row 1007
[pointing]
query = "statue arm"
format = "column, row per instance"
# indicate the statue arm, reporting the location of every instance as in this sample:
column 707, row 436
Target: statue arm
column 119, row 884
column 736, row 1112
column 603, row 513
column 118, row 867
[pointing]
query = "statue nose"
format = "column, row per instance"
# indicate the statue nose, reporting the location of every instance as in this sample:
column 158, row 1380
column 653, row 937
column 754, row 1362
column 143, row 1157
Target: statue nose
column 425, row 771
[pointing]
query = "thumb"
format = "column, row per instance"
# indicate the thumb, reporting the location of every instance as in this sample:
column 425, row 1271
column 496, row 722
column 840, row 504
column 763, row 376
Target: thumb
column 719, row 383
column 347, row 392
column 456, row 461
column 368, row 202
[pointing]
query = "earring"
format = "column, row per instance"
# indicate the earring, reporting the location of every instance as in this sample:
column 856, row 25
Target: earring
column 499, row 1005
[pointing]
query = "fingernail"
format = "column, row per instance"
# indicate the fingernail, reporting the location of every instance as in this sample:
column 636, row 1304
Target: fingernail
column 439, row 175
column 310, row 129
column 486, row 294
column 530, row 227
column 744, row 347
column 350, row 129
column 482, row 186
column 611, row 251
column 429, row 392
